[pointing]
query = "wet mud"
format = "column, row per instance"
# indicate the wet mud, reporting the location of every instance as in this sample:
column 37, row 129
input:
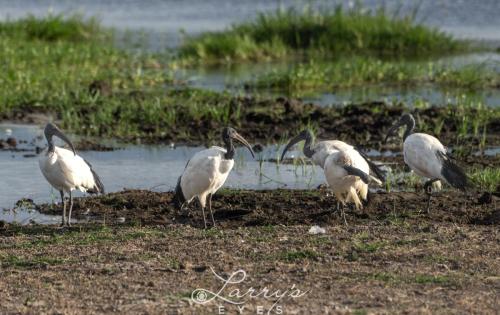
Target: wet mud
column 239, row 208
column 269, row 120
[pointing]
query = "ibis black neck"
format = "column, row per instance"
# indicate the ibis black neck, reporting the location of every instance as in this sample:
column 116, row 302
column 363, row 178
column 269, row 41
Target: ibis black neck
column 307, row 145
column 50, row 142
column 229, row 149
column 410, row 125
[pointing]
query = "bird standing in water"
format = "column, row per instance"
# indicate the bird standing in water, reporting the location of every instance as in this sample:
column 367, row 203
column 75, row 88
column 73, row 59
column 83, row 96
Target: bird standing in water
column 207, row 171
column 427, row 157
column 66, row 171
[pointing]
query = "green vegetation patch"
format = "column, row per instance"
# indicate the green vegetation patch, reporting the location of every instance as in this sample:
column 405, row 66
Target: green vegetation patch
column 26, row 263
column 357, row 71
column 54, row 28
column 487, row 179
column 294, row 255
column 67, row 66
column 286, row 33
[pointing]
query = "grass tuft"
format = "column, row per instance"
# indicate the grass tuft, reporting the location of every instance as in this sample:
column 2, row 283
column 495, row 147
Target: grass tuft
column 487, row 179
column 53, row 28
column 358, row 71
column 329, row 32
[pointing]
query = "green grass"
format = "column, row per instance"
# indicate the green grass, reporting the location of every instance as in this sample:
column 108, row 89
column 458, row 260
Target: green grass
column 52, row 72
column 295, row 255
column 487, row 179
column 48, row 65
column 328, row 32
column 27, row 263
column 54, row 28
column 359, row 71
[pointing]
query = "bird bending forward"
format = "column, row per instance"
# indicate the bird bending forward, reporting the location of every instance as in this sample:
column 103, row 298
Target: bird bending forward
column 319, row 151
column 347, row 174
column 428, row 158
column 207, row 171
column 66, row 171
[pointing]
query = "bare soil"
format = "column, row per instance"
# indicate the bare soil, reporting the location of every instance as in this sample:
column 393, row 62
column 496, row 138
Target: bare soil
column 392, row 257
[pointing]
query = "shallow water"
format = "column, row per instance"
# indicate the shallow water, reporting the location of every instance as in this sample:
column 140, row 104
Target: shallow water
column 154, row 168
column 233, row 77
column 137, row 167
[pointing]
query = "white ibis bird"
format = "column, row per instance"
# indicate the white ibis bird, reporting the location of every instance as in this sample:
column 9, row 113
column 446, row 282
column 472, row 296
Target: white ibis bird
column 207, row 171
column 347, row 174
column 319, row 152
column 427, row 157
column 66, row 171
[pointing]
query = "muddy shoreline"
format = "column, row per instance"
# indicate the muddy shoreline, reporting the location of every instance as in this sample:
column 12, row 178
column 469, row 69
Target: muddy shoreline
column 240, row 208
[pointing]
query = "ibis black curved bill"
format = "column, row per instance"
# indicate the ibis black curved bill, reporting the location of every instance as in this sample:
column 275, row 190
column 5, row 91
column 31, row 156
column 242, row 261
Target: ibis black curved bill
column 242, row 140
column 302, row 136
column 52, row 130
column 392, row 131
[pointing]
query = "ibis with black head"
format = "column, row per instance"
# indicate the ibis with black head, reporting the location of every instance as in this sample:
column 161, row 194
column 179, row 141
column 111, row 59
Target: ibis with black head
column 428, row 157
column 207, row 171
column 318, row 152
column 67, row 171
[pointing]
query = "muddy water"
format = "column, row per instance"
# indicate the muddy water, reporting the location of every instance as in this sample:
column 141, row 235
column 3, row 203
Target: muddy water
column 144, row 167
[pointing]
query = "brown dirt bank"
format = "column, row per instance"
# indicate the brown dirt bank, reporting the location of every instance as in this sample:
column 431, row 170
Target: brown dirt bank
column 237, row 208
column 269, row 120
column 392, row 259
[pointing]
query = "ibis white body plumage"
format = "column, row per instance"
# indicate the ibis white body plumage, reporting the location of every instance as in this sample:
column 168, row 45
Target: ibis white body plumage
column 346, row 186
column 205, row 173
column 66, row 171
column 319, row 151
column 428, row 158
column 324, row 148
column 420, row 154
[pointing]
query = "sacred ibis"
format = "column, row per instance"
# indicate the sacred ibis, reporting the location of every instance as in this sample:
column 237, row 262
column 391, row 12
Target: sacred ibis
column 319, row 152
column 66, row 171
column 347, row 175
column 428, row 158
column 207, row 171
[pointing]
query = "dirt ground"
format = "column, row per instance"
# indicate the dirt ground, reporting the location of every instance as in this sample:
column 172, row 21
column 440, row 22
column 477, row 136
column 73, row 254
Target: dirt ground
column 392, row 257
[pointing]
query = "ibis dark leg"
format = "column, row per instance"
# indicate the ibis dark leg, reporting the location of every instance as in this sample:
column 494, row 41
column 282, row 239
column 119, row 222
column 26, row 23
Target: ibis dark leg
column 210, row 208
column 70, row 208
column 64, row 208
column 428, row 191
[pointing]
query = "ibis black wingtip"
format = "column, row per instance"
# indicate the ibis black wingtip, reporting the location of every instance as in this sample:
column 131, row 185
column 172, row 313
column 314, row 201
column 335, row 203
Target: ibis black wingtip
column 357, row 172
column 453, row 174
column 179, row 199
